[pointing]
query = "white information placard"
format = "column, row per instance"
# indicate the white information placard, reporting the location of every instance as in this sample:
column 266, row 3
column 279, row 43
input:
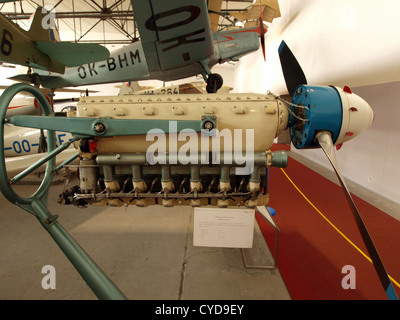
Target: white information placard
column 223, row 228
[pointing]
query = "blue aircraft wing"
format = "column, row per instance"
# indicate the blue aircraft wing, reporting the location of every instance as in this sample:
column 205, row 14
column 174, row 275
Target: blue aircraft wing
column 174, row 33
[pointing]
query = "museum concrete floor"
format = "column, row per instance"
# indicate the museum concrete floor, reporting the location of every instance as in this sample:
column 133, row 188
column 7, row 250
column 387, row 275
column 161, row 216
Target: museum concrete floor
column 147, row 252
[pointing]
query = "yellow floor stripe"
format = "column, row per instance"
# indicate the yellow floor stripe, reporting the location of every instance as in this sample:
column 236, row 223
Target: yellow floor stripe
column 333, row 226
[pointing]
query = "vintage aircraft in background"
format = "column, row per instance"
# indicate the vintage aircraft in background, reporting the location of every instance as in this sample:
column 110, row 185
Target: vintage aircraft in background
column 256, row 15
column 23, row 141
column 248, row 17
column 41, row 48
column 133, row 87
column 176, row 42
column 269, row 9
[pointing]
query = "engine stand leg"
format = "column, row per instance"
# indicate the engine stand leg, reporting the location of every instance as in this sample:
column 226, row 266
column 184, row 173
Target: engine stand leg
column 96, row 279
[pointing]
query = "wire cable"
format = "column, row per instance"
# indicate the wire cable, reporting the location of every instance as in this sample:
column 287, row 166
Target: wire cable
column 333, row 226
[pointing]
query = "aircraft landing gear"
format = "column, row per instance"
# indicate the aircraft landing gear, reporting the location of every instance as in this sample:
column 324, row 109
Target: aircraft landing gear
column 34, row 78
column 214, row 82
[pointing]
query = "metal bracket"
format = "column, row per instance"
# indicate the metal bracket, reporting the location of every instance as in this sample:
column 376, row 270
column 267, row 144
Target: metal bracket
column 106, row 127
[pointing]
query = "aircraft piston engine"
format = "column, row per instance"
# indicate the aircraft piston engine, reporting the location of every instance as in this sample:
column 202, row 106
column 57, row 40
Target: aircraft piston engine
column 193, row 150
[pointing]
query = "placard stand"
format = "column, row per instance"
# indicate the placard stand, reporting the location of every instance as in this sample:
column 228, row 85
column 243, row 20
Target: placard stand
column 246, row 253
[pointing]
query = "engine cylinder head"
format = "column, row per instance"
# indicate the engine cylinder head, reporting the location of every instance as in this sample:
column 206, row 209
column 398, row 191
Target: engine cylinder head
column 88, row 175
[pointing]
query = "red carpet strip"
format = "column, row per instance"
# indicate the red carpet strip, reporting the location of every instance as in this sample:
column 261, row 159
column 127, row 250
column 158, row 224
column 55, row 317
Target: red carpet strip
column 311, row 253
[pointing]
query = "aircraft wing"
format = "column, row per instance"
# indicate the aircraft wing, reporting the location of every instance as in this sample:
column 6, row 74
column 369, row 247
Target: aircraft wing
column 39, row 47
column 173, row 33
column 72, row 54
column 269, row 8
column 214, row 7
column 27, row 79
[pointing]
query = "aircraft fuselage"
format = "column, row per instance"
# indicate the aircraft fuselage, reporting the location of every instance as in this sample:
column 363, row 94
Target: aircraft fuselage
column 129, row 63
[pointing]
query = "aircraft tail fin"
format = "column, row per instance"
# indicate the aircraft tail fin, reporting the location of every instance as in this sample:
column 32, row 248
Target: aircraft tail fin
column 43, row 27
column 129, row 88
column 135, row 86
column 44, row 32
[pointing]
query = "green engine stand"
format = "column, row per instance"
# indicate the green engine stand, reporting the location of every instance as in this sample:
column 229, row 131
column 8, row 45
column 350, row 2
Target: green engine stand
column 36, row 204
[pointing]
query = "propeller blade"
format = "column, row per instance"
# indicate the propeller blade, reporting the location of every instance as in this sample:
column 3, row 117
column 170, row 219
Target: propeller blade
column 292, row 72
column 263, row 31
column 324, row 139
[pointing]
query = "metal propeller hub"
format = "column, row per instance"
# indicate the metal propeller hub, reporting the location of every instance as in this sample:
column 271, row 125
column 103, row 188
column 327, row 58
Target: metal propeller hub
column 314, row 108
